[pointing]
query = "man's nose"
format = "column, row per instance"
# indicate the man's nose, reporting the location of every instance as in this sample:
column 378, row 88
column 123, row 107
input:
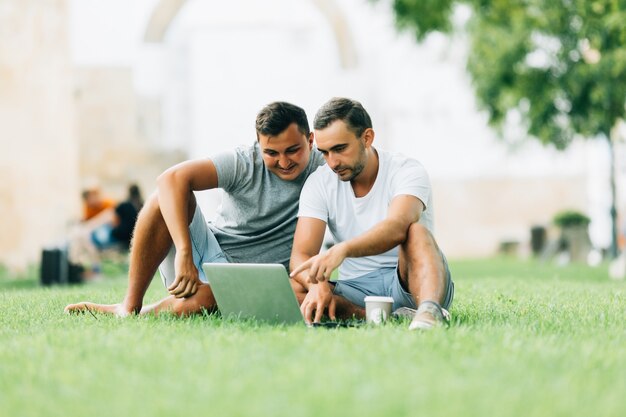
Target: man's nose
column 283, row 161
column 332, row 161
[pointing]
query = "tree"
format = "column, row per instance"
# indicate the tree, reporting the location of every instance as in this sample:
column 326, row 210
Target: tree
column 561, row 64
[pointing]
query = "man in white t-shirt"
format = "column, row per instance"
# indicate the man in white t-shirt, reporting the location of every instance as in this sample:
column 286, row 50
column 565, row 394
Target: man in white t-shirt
column 378, row 207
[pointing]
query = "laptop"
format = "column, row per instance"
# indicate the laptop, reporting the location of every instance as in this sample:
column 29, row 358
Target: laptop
column 254, row 291
column 261, row 292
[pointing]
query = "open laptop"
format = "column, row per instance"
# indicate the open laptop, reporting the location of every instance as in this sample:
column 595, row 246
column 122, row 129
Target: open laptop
column 257, row 291
column 254, row 291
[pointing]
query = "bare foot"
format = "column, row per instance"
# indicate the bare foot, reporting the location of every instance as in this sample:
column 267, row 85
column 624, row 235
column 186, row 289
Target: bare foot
column 85, row 306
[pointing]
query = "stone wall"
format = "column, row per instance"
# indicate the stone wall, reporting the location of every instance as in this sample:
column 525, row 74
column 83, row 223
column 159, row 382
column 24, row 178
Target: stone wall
column 38, row 144
column 62, row 128
column 119, row 132
column 473, row 217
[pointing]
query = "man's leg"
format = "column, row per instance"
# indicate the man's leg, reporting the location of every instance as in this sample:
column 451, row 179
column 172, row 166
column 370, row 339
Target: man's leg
column 150, row 245
column 423, row 272
column 203, row 299
column 344, row 309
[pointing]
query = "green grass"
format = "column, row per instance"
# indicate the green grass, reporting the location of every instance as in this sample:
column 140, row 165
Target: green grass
column 527, row 339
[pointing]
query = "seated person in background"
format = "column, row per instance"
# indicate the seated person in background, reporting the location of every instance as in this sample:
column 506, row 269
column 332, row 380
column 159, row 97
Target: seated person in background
column 119, row 223
column 94, row 202
column 111, row 227
column 255, row 222
column 378, row 208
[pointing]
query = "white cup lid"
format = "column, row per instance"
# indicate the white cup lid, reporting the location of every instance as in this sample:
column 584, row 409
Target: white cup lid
column 377, row 299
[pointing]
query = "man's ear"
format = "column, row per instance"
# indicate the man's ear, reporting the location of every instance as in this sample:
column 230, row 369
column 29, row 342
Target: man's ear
column 368, row 137
column 310, row 140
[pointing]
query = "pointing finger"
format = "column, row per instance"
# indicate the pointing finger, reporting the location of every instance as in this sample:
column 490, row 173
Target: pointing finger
column 302, row 267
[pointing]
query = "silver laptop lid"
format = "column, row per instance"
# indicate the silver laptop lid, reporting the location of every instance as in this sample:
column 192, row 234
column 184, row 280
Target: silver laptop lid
column 254, row 291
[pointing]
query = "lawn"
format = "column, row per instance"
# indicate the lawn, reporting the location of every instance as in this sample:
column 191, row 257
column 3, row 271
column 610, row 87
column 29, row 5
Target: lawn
column 527, row 339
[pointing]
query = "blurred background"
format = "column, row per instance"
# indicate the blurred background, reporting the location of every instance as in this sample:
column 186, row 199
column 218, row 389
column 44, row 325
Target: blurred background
column 108, row 93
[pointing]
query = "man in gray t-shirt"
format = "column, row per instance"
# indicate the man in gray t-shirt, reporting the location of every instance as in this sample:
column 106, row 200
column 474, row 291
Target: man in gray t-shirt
column 254, row 223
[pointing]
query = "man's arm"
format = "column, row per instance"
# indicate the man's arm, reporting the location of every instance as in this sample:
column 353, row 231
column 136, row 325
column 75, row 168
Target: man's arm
column 389, row 233
column 175, row 187
column 307, row 242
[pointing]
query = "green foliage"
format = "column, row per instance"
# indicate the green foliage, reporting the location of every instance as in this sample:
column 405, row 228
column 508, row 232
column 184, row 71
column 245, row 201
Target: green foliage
column 528, row 338
column 560, row 64
column 570, row 218
column 425, row 15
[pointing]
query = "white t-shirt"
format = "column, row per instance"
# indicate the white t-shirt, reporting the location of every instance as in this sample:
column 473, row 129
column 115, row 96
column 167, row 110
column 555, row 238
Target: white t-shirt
column 325, row 197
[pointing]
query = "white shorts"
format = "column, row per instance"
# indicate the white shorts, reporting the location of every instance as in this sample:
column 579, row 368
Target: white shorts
column 205, row 248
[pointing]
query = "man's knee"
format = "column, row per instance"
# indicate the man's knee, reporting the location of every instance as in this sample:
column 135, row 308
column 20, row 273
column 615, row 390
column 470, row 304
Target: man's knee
column 418, row 230
column 151, row 216
column 419, row 248
column 153, row 203
column 191, row 204
column 151, row 206
column 419, row 238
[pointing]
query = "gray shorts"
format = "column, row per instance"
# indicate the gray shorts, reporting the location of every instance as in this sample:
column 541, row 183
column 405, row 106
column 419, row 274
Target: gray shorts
column 205, row 248
column 386, row 282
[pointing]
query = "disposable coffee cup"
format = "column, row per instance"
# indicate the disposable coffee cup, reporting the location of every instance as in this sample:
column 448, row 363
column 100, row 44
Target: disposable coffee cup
column 378, row 309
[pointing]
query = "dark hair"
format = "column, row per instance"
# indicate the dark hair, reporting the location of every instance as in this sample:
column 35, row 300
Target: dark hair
column 274, row 118
column 134, row 196
column 134, row 191
column 351, row 112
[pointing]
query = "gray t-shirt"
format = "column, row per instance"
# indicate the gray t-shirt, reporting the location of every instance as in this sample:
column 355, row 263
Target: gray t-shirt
column 257, row 218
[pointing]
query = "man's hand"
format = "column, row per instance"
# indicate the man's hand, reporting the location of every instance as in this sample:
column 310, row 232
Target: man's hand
column 322, row 266
column 317, row 299
column 187, row 281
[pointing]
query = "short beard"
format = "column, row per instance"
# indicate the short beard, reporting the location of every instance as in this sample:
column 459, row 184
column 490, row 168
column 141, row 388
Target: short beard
column 356, row 170
column 360, row 165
